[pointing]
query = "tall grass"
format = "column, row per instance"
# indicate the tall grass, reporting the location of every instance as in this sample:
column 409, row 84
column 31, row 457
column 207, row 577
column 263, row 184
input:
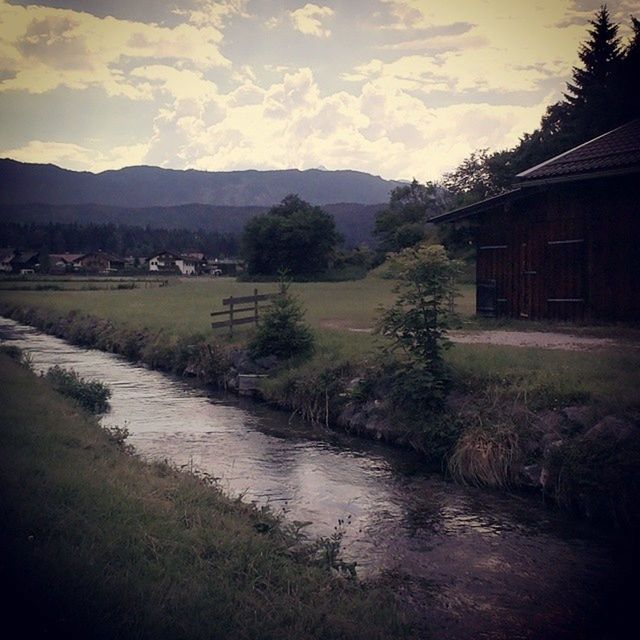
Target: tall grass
column 99, row 544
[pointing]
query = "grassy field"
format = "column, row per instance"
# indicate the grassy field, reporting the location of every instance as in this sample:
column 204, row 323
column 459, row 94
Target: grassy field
column 98, row 544
column 183, row 308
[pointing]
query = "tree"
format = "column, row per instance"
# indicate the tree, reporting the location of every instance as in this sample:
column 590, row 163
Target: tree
column 417, row 323
column 404, row 222
column 589, row 94
column 282, row 331
column 601, row 96
column 293, row 236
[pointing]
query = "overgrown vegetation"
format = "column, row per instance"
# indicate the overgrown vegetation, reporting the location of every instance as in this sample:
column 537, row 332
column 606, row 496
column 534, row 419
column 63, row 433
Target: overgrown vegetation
column 92, row 395
column 141, row 550
column 599, row 477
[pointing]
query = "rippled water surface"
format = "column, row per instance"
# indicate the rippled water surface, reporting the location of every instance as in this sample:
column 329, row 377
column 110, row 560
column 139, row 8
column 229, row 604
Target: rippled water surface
column 468, row 563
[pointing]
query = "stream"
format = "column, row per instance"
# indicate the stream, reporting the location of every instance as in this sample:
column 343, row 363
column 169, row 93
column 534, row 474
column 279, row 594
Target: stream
column 467, row 563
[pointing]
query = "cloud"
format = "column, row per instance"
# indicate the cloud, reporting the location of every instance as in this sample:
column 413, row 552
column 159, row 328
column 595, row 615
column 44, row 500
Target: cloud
column 214, row 13
column 46, row 48
column 379, row 129
column 309, row 20
column 78, row 157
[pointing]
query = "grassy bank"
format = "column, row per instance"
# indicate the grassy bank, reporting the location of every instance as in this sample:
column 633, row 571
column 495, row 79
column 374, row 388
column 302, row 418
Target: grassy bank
column 494, row 431
column 99, row 544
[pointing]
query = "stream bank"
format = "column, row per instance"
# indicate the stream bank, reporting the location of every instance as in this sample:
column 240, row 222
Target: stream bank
column 464, row 562
column 580, row 455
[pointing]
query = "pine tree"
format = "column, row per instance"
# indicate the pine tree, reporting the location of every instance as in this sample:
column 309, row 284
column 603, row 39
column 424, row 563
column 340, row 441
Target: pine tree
column 627, row 87
column 589, row 95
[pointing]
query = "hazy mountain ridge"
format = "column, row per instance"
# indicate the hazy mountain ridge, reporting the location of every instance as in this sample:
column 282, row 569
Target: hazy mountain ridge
column 143, row 186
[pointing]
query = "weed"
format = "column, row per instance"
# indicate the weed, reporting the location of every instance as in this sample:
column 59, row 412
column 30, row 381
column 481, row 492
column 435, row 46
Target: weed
column 91, row 395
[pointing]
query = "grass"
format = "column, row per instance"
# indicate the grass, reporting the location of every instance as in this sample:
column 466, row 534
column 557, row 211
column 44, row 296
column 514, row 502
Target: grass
column 180, row 310
column 98, row 544
column 183, row 307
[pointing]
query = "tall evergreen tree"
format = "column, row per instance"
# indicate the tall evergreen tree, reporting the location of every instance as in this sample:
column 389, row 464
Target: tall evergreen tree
column 589, row 95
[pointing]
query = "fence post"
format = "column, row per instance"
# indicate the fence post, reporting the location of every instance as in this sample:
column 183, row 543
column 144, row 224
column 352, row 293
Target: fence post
column 255, row 305
column 231, row 317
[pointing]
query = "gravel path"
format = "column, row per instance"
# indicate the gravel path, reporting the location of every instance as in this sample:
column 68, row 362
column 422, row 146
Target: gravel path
column 540, row 339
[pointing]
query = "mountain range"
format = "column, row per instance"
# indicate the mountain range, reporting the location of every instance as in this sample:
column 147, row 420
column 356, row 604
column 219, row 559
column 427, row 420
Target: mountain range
column 23, row 183
column 167, row 198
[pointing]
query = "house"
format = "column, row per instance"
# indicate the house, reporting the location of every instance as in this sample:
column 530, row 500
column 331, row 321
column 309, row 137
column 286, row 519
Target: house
column 63, row 262
column 564, row 242
column 225, row 266
column 25, row 262
column 98, row 262
column 168, row 262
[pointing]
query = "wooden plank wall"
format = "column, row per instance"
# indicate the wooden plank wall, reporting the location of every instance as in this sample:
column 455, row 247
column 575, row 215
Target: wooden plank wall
column 569, row 252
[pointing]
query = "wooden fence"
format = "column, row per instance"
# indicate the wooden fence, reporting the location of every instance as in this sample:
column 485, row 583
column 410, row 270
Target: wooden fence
column 237, row 314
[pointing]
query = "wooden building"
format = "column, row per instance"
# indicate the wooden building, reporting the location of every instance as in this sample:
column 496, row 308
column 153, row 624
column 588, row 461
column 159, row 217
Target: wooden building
column 565, row 242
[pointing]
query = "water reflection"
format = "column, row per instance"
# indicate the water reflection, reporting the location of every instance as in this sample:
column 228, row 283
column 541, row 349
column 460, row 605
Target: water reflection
column 469, row 563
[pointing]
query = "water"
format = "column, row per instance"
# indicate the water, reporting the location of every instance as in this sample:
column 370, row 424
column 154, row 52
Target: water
column 467, row 563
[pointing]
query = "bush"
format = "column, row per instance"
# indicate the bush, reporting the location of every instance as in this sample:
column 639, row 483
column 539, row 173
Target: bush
column 416, row 326
column 91, row 395
column 282, row 332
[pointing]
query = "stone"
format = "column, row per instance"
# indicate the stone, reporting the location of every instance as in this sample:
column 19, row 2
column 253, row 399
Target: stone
column 549, row 422
column 581, row 416
column 530, row 476
column 267, row 363
column 614, row 429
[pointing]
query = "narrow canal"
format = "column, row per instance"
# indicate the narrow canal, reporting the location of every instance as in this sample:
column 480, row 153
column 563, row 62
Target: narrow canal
column 468, row 563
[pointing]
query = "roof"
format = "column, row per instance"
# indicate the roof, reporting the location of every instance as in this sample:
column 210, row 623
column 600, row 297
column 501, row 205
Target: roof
column 479, row 207
column 614, row 152
column 6, row 254
column 66, row 257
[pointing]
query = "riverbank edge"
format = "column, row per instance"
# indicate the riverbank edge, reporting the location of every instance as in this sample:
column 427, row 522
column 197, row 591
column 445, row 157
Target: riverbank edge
column 138, row 549
column 483, row 438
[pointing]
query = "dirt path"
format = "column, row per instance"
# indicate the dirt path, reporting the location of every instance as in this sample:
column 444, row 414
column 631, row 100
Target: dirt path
column 540, row 339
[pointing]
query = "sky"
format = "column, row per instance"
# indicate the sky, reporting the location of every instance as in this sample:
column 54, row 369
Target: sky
column 398, row 88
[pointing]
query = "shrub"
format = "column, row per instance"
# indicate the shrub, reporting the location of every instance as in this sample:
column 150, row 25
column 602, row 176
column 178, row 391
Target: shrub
column 282, row 332
column 416, row 325
column 91, row 395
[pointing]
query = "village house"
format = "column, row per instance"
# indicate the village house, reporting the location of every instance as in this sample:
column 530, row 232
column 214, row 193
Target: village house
column 23, row 262
column 563, row 243
column 167, row 262
column 63, row 262
column 98, row 262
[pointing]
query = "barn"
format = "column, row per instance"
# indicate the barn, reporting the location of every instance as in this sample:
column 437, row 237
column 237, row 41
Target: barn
column 564, row 243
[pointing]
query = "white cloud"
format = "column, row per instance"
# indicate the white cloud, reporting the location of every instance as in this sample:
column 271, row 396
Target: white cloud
column 290, row 124
column 74, row 156
column 309, row 20
column 45, row 48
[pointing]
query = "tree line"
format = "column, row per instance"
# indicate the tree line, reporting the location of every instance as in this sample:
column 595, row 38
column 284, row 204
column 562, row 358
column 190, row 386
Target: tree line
column 601, row 95
column 120, row 240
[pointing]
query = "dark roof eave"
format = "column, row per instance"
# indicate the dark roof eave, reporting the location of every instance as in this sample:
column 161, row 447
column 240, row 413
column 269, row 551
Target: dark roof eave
column 533, row 182
column 480, row 207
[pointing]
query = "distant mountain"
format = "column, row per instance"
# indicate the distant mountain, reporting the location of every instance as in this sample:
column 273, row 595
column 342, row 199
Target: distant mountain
column 22, row 183
column 354, row 221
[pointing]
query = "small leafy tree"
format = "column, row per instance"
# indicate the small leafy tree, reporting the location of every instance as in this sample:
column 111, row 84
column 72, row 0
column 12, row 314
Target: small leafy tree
column 282, row 331
column 417, row 324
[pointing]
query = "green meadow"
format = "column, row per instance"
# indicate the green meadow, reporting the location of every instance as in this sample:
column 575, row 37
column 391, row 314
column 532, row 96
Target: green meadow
column 342, row 313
